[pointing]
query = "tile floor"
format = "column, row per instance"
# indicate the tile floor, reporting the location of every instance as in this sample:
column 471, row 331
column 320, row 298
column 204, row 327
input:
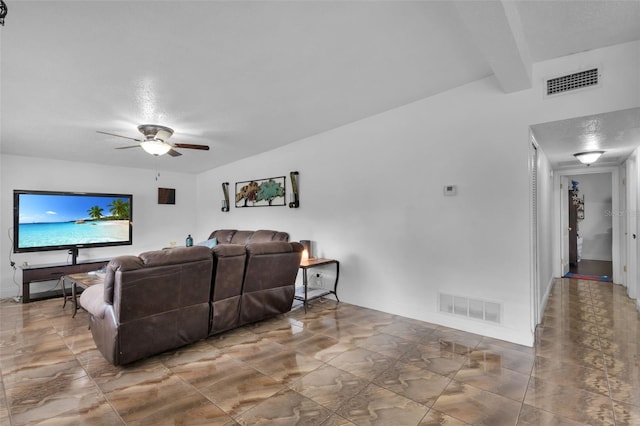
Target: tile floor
column 336, row 364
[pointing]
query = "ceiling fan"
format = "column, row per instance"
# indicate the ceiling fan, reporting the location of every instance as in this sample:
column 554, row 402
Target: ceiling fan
column 155, row 140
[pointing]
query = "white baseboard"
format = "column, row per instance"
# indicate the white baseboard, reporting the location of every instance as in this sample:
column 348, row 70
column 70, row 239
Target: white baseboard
column 545, row 298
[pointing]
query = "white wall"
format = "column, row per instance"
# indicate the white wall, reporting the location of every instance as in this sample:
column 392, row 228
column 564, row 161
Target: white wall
column 154, row 225
column 372, row 197
column 371, row 194
column 596, row 229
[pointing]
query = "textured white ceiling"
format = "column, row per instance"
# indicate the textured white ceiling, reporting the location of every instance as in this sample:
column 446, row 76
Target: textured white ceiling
column 617, row 133
column 246, row 77
column 563, row 27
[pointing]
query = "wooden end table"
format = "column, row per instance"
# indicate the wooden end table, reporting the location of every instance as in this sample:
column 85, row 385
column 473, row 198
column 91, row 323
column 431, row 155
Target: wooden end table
column 309, row 293
column 82, row 280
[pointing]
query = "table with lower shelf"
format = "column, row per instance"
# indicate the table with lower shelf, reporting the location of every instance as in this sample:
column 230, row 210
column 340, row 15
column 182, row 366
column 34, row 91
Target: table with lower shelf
column 53, row 271
column 82, row 280
column 306, row 293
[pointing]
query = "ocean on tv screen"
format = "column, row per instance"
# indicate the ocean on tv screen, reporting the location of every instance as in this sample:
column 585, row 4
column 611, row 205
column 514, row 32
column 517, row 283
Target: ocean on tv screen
column 73, row 233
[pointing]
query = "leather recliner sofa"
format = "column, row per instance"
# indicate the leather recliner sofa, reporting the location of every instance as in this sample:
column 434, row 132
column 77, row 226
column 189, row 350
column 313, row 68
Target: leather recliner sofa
column 164, row 299
column 254, row 275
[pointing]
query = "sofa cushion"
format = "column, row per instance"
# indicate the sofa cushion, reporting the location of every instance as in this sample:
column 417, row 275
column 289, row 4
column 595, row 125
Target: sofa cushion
column 223, row 235
column 232, row 236
column 226, row 286
column 174, row 256
column 254, row 249
column 242, row 237
column 269, row 280
column 263, row 236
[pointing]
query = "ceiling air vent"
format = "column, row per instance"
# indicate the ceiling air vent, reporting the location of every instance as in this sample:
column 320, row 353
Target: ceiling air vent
column 575, row 81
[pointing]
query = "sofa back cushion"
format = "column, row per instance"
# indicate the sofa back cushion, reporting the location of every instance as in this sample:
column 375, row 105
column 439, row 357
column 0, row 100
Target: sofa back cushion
column 226, row 286
column 269, row 280
column 157, row 280
column 223, row 236
column 232, row 236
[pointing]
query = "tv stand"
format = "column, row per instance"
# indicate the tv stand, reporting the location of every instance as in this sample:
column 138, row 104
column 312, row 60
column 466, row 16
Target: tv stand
column 54, row 271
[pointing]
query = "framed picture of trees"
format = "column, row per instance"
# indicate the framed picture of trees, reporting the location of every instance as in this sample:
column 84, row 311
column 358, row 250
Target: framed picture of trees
column 261, row 192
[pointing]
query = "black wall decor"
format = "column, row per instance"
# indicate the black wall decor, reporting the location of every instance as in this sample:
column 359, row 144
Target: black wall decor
column 166, row 196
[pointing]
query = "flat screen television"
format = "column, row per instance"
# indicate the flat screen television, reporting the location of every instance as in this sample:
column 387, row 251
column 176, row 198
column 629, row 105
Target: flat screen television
column 48, row 220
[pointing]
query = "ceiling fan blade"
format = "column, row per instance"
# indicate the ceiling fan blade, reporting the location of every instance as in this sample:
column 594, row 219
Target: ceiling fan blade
column 119, row 136
column 127, row 147
column 173, row 153
column 191, row 146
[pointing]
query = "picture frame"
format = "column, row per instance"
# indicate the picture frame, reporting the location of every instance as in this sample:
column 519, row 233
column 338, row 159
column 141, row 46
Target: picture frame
column 166, row 196
column 268, row 192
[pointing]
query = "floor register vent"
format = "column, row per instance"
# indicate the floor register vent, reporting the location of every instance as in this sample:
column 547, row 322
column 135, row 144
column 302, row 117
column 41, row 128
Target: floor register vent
column 575, row 81
column 471, row 308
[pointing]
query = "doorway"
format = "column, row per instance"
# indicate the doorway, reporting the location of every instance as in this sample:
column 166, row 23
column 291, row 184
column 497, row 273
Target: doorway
column 589, row 198
column 612, row 194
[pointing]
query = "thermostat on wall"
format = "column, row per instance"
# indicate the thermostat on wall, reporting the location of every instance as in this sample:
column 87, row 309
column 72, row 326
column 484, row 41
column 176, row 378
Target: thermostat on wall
column 450, row 189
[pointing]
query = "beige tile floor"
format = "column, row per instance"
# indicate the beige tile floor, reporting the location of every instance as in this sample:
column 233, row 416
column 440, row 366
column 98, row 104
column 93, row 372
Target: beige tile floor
column 336, row 364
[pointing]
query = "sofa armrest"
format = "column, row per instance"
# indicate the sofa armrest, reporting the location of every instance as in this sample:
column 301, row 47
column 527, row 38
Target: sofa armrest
column 92, row 300
column 120, row 263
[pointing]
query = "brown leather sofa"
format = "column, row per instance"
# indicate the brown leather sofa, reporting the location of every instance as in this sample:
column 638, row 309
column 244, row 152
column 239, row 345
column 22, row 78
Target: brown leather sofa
column 254, row 274
column 164, row 299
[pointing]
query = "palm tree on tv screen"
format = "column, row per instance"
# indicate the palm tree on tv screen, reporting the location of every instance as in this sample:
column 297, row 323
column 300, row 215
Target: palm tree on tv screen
column 119, row 208
column 95, row 212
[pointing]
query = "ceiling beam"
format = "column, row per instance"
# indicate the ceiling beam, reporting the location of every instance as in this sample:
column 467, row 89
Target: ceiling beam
column 496, row 28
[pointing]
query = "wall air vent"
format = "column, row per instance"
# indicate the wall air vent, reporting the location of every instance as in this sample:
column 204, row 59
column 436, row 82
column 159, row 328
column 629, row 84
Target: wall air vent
column 575, row 81
column 471, row 308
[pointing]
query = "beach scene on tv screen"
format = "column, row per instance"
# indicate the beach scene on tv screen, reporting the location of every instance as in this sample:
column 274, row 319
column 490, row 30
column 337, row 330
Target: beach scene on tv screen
column 56, row 220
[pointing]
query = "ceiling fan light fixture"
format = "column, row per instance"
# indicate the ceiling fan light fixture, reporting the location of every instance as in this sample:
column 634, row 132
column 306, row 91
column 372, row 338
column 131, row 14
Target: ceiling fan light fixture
column 155, row 147
column 588, row 157
column 163, row 135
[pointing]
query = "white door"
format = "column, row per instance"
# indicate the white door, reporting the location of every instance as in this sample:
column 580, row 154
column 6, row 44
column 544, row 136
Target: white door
column 535, row 280
column 564, row 223
column 623, row 246
column 633, row 284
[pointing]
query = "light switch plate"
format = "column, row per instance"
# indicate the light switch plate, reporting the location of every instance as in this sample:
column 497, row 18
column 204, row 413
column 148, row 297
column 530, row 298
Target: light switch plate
column 450, row 190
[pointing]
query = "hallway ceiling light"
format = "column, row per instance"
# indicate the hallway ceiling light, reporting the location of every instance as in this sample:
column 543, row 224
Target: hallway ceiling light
column 588, row 157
